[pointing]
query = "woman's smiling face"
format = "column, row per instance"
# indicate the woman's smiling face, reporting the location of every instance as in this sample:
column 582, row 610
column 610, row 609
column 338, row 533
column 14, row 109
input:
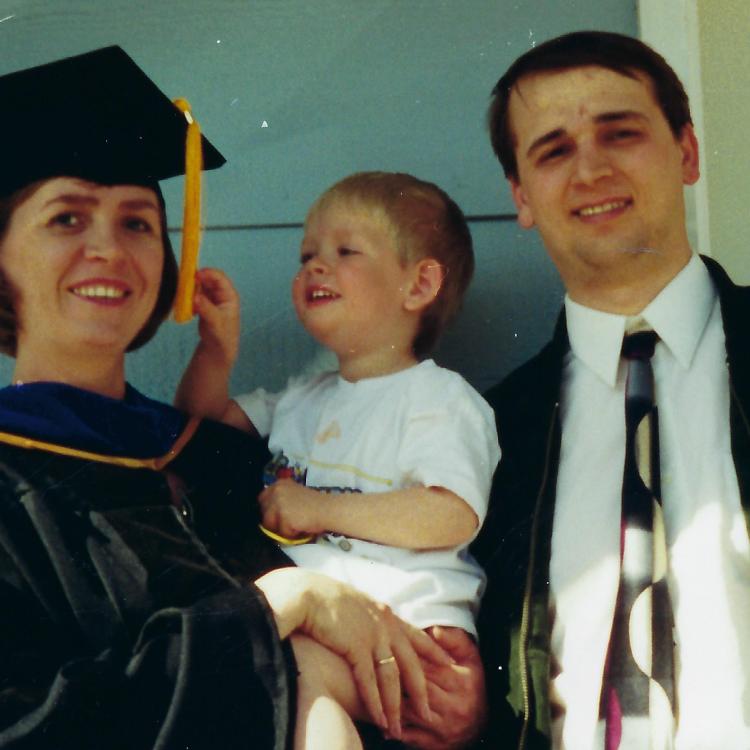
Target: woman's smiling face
column 85, row 262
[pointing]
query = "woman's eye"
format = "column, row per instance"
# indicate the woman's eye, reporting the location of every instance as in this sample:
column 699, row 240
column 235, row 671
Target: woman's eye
column 344, row 251
column 305, row 258
column 138, row 224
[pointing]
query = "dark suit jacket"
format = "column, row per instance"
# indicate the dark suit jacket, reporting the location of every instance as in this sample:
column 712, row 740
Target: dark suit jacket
column 514, row 544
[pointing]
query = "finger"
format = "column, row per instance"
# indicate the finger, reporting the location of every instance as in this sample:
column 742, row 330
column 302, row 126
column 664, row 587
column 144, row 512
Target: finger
column 216, row 275
column 456, row 642
column 389, row 684
column 428, row 649
column 452, row 677
column 270, row 519
column 207, row 273
column 197, row 297
column 438, row 733
column 367, row 687
column 412, row 676
column 440, row 700
column 410, row 716
column 285, row 528
column 276, row 519
column 459, row 710
column 206, row 283
column 218, row 283
column 203, row 305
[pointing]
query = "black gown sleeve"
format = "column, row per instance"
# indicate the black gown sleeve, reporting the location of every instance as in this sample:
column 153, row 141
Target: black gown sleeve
column 118, row 626
column 221, row 470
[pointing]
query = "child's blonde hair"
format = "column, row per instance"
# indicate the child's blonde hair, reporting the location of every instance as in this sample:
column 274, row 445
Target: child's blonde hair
column 425, row 223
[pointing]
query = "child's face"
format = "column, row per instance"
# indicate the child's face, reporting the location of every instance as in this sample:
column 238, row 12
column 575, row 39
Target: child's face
column 350, row 291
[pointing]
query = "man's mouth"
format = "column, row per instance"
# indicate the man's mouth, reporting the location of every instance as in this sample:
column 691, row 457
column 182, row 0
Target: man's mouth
column 602, row 208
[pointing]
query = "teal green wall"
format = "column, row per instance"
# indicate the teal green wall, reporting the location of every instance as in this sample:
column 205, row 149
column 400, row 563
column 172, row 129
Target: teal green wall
column 343, row 85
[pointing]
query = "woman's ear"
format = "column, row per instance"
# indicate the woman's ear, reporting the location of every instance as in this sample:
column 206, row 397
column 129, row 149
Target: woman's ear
column 425, row 285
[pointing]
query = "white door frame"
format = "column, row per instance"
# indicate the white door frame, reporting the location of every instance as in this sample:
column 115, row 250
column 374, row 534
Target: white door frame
column 671, row 27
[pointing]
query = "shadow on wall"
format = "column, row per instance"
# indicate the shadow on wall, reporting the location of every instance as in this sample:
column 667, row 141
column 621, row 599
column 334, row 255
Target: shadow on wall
column 510, row 310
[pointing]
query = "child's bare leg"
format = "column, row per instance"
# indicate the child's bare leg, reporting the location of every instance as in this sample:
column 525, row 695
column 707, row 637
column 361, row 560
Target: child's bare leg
column 327, row 699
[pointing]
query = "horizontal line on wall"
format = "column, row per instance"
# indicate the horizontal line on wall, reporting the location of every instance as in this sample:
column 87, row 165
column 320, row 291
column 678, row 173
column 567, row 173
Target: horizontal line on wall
column 476, row 219
column 484, row 218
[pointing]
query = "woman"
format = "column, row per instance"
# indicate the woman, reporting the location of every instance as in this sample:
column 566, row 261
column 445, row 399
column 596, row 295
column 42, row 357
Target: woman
column 127, row 530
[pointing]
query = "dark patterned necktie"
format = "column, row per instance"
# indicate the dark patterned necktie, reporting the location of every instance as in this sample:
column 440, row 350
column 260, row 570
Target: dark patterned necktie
column 638, row 694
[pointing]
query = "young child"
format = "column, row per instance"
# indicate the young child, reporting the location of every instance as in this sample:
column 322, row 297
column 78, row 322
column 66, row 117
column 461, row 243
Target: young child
column 386, row 464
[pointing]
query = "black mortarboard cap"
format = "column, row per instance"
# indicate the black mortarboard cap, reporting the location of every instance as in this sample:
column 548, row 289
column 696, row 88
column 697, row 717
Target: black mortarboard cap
column 97, row 116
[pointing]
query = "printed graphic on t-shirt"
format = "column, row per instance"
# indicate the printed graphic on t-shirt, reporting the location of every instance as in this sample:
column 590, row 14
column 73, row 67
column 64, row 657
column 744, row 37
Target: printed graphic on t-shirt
column 280, row 467
column 329, row 433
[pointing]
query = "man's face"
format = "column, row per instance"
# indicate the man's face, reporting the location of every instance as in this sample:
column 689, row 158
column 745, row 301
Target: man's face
column 601, row 175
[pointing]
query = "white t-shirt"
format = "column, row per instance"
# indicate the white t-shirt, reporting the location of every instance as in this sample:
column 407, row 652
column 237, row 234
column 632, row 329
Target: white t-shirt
column 421, row 426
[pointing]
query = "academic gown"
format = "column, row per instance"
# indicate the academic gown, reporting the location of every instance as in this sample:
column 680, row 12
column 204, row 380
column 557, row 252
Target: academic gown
column 128, row 543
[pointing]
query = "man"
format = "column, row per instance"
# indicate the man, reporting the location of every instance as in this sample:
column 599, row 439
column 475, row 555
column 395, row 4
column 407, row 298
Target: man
column 594, row 133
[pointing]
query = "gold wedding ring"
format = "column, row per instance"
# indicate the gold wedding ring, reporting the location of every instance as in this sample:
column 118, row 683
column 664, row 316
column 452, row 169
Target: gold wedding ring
column 388, row 660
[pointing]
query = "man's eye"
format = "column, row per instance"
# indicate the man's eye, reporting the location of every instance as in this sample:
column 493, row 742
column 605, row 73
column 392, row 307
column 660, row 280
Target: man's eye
column 554, row 153
column 67, row 219
column 623, row 134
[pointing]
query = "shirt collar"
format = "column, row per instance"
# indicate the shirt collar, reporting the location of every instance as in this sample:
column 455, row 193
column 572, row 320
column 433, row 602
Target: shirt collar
column 678, row 314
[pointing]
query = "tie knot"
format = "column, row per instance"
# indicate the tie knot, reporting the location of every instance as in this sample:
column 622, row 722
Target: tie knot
column 639, row 345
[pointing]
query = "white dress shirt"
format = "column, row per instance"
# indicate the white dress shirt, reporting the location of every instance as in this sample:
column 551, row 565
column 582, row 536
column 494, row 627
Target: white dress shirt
column 709, row 553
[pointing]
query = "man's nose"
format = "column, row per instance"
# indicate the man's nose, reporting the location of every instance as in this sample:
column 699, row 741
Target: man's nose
column 592, row 163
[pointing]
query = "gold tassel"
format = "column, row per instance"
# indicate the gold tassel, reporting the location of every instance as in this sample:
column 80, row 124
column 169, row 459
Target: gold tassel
column 191, row 218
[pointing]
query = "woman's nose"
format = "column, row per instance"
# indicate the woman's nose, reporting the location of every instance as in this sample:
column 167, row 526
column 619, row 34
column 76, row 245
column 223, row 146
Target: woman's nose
column 101, row 243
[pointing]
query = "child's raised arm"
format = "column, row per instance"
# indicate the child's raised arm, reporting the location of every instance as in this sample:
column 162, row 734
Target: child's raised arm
column 204, row 387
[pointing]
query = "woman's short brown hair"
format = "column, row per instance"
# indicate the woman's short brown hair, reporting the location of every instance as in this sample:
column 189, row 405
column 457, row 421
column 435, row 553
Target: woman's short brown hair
column 167, row 288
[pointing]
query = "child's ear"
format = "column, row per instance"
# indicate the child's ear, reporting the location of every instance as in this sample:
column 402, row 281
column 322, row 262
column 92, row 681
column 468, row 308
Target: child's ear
column 425, row 285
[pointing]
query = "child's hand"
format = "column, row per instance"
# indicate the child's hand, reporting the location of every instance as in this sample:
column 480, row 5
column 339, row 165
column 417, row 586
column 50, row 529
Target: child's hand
column 218, row 307
column 289, row 509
